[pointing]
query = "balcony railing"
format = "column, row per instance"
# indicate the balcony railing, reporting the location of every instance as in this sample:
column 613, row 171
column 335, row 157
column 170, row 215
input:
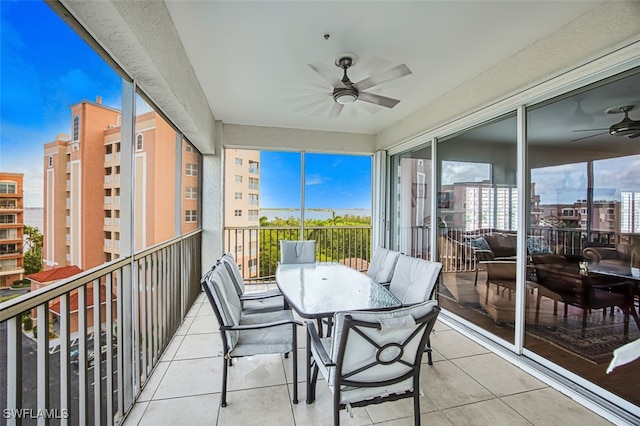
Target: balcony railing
column 457, row 256
column 347, row 244
column 113, row 323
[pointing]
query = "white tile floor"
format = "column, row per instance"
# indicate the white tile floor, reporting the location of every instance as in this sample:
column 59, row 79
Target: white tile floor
column 467, row 385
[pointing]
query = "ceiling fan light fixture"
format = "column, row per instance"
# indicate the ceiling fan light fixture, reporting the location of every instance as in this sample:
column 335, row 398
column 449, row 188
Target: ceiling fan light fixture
column 345, row 96
column 627, row 127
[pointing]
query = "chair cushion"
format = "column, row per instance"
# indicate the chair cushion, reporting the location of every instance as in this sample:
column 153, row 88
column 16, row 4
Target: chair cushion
column 229, row 262
column 297, row 251
column 537, row 244
column 479, row 244
column 382, row 265
column 413, row 279
column 271, row 340
column 502, row 245
column 226, row 300
column 358, row 352
column 263, row 305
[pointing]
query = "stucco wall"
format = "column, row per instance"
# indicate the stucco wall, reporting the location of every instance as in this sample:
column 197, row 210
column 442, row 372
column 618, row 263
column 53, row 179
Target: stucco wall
column 592, row 35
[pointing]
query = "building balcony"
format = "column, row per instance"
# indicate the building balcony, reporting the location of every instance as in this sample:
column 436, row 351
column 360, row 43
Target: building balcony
column 11, row 270
column 467, row 384
column 61, row 364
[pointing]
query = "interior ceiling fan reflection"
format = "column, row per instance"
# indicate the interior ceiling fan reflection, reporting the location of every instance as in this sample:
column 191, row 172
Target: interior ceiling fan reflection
column 627, row 127
column 346, row 92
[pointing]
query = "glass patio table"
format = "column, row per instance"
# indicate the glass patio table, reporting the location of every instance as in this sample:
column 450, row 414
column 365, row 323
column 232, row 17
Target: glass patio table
column 319, row 290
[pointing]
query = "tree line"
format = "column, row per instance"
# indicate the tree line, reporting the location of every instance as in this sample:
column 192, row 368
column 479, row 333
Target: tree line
column 337, row 238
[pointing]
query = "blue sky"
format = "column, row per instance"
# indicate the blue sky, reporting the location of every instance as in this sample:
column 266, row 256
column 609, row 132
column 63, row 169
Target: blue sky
column 331, row 180
column 46, row 68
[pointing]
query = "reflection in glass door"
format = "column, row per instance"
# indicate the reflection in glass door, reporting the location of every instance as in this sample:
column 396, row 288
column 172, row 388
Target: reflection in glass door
column 477, row 216
column 410, row 216
column 585, row 207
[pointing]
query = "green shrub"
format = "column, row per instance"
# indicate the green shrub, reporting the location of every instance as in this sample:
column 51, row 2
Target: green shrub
column 27, row 322
column 5, row 298
column 35, row 331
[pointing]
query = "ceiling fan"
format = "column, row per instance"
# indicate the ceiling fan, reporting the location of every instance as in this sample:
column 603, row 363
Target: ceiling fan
column 627, row 127
column 346, row 92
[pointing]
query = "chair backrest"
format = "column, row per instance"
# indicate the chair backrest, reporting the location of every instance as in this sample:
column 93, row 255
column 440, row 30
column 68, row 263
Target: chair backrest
column 382, row 265
column 379, row 352
column 297, row 251
column 224, row 299
column 229, row 262
column 414, row 279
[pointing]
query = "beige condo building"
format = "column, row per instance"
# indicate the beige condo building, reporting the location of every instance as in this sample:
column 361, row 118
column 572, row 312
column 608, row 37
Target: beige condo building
column 242, row 217
column 11, row 228
column 82, row 187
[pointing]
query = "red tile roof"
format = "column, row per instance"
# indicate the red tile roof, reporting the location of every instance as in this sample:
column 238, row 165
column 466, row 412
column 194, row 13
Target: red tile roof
column 73, row 300
column 54, row 274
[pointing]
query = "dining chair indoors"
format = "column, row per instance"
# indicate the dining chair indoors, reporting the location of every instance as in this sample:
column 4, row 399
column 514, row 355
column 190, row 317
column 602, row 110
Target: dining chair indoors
column 372, row 357
column 414, row 281
column 248, row 334
column 297, row 251
column 264, row 301
column 382, row 265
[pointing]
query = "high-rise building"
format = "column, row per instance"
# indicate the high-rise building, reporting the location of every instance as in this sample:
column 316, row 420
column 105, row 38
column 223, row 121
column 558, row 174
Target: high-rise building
column 11, row 228
column 82, row 186
column 242, row 215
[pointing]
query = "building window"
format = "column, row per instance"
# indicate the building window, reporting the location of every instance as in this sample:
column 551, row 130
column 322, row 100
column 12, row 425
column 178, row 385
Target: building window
column 188, row 148
column 237, row 195
column 192, row 169
column 191, row 193
column 139, row 142
column 239, row 249
column 253, row 199
column 237, row 213
column 7, row 218
column 238, row 179
column 8, row 188
column 238, row 161
column 253, row 167
column 253, row 215
column 253, row 263
column 51, row 161
column 76, row 128
column 254, row 183
column 190, row 216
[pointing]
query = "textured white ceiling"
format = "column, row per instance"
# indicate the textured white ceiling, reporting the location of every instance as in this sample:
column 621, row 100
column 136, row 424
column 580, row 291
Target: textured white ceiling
column 252, row 58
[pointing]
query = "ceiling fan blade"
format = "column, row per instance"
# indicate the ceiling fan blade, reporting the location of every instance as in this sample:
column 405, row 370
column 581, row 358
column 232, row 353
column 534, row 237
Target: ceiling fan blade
column 587, row 137
column 588, row 130
column 377, row 99
column 392, row 74
column 309, row 97
column 313, row 105
column 335, row 110
column 326, row 74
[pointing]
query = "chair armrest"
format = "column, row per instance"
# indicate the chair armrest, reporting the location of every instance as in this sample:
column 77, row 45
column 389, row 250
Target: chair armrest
column 259, row 326
column 314, row 339
column 596, row 254
column 261, row 295
column 483, row 255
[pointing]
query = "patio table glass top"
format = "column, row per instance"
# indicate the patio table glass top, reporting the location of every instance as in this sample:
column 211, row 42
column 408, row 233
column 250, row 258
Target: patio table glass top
column 317, row 290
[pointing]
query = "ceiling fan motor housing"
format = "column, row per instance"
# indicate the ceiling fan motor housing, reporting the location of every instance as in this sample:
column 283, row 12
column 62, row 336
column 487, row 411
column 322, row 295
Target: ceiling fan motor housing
column 345, row 95
column 627, row 127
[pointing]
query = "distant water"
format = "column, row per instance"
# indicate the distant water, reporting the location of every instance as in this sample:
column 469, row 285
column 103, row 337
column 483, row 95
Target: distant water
column 316, row 214
column 34, row 217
